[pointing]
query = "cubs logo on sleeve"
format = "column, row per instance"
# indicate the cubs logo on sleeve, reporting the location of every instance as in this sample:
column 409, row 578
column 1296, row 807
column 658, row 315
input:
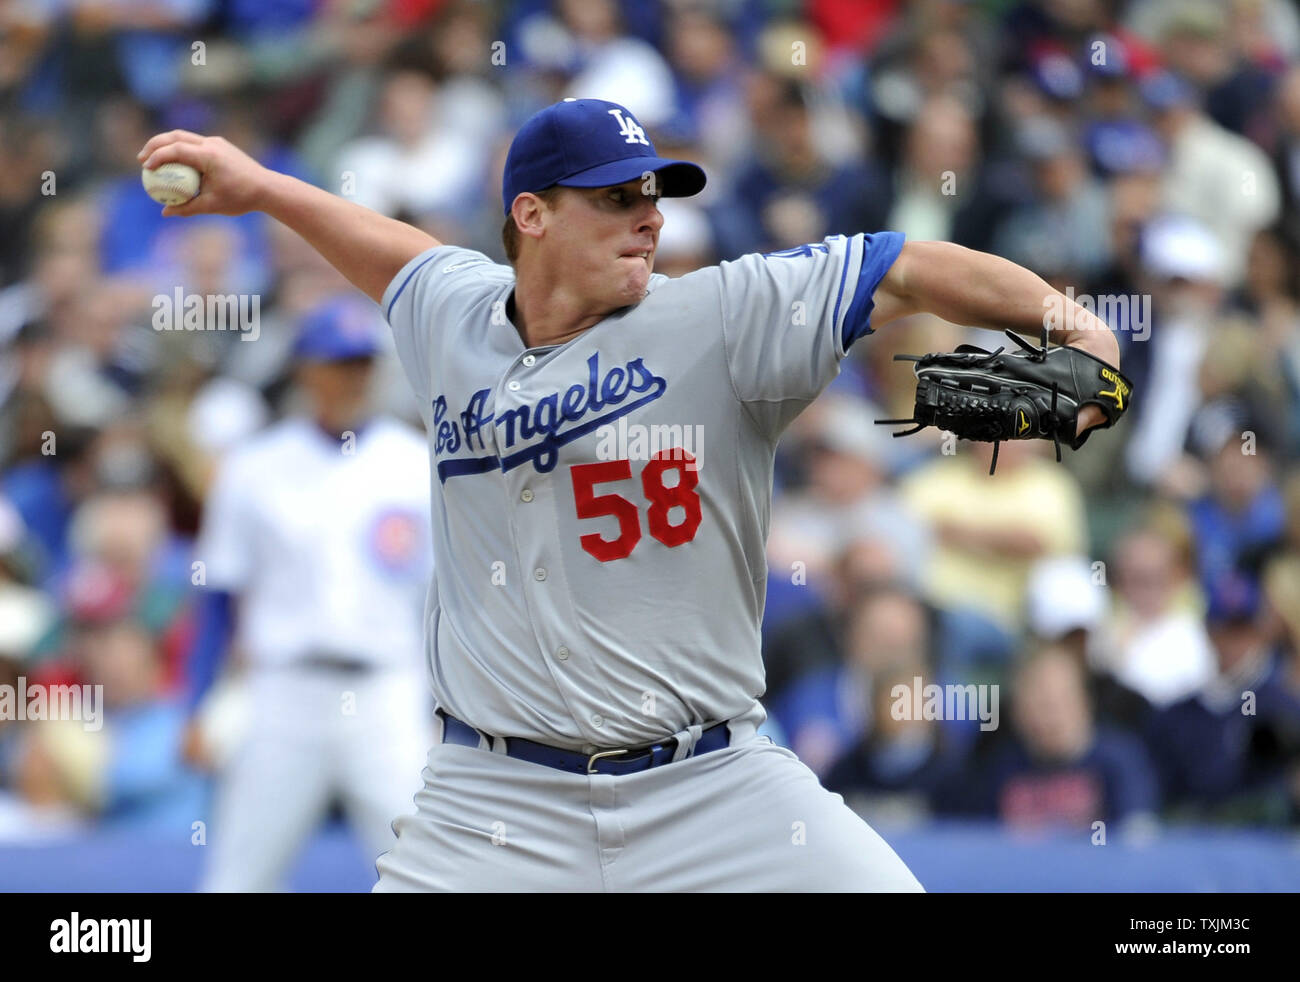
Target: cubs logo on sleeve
column 395, row 541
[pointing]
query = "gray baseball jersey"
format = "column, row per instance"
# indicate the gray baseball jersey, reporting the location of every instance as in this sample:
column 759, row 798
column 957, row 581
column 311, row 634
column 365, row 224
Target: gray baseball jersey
column 600, row 507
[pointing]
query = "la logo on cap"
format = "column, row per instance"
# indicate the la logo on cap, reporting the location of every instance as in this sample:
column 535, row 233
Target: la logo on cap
column 629, row 128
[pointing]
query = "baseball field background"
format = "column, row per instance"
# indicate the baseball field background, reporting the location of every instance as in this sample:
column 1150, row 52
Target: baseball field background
column 1074, row 676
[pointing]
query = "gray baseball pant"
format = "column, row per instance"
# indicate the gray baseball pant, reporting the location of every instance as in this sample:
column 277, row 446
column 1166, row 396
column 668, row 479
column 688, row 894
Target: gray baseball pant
column 746, row 818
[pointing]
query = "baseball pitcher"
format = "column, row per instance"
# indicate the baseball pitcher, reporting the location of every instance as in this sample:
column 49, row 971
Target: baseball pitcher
column 593, row 623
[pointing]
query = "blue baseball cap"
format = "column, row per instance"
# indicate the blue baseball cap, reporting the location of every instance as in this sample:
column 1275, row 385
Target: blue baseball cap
column 1232, row 598
column 589, row 143
column 1124, row 146
column 1166, row 90
column 340, row 328
column 1058, row 76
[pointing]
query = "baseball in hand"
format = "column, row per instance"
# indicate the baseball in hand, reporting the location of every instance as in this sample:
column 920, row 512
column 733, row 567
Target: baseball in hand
column 171, row 184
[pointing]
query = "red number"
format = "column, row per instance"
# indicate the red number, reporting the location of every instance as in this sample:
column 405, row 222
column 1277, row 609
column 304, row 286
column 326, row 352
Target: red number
column 591, row 505
column 663, row 498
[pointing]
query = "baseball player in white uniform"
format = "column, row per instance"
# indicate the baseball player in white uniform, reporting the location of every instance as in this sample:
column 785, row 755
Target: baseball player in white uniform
column 316, row 551
column 593, row 627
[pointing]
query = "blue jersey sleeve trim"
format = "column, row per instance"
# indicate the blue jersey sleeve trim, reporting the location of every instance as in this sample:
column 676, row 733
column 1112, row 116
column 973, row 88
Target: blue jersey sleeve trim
column 878, row 253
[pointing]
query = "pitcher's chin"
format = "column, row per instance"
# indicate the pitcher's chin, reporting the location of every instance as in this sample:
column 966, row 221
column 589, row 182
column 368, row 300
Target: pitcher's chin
column 636, row 283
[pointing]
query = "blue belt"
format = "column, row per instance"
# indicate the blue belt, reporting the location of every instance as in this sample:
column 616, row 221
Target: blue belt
column 627, row 761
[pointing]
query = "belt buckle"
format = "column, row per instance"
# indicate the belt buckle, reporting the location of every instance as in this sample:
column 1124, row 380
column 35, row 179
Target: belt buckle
column 591, row 761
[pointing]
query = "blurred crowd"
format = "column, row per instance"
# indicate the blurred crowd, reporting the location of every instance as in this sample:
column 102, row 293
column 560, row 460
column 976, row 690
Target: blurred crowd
column 1134, row 612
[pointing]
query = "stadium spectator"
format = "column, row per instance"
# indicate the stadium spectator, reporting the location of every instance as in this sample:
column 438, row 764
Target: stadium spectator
column 710, row 90
column 1224, row 752
column 1067, row 609
column 1286, row 150
column 1115, row 133
column 1063, row 230
column 1059, row 768
column 825, row 711
column 582, row 42
column 27, row 147
column 803, row 635
column 1183, row 272
column 413, row 165
column 1240, row 518
column 906, row 768
column 1153, row 640
column 1270, row 299
column 1281, row 577
column 939, row 191
column 930, row 54
column 1239, row 385
column 125, row 767
column 989, row 530
column 146, row 784
column 1213, row 175
column 795, row 191
column 847, row 495
column 46, row 488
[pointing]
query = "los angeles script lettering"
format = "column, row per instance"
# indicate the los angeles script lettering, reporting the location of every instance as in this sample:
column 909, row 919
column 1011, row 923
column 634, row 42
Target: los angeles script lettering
column 548, row 414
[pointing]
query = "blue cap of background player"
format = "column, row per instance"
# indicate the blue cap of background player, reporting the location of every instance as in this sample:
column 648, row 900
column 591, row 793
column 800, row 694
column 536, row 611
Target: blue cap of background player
column 589, row 143
column 339, row 328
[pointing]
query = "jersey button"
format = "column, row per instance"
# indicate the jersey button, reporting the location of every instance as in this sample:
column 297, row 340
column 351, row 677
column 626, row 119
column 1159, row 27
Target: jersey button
column 562, row 653
column 598, row 720
column 512, row 386
column 526, row 494
column 530, row 361
column 539, row 573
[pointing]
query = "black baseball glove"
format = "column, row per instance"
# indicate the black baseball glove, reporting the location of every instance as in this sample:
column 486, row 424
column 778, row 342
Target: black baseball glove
column 1028, row 394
